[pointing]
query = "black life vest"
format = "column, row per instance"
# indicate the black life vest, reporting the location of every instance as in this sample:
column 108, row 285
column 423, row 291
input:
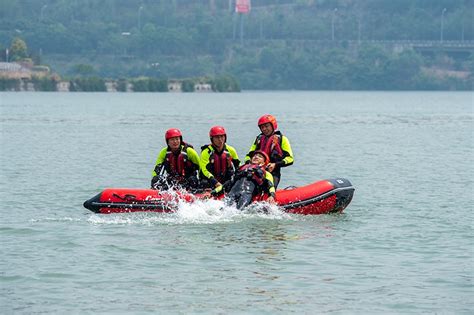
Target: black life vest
column 179, row 164
column 253, row 172
column 271, row 145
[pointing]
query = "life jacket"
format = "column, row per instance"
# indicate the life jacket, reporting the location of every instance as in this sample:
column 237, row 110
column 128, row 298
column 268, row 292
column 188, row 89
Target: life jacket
column 271, row 145
column 179, row 164
column 253, row 172
column 219, row 163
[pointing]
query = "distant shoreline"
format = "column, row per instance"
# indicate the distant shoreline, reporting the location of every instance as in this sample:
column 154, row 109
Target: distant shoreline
column 25, row 76
column 252, row 91
column 95, row 84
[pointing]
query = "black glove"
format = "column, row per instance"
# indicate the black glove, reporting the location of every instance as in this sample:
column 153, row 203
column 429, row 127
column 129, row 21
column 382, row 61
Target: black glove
column 154, row 181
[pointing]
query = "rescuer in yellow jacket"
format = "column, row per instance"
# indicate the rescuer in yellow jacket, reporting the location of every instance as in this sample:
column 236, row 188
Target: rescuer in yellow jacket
column 219, row 161
column 177, row 165
column 274, row 144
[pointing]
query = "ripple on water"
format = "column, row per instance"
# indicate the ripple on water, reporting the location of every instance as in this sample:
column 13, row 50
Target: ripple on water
column 19, row 231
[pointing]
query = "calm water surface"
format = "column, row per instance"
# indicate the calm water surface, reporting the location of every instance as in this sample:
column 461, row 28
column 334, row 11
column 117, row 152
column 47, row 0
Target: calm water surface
column 404, row 245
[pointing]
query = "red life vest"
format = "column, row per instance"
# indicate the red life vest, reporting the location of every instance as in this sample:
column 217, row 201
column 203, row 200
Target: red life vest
column 271, row 146
column 257, row 172
column 179, row 164
column 220, row 163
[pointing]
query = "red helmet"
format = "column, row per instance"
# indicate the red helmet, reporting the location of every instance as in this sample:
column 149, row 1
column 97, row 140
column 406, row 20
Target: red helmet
column 265, row 156
column 217, row 131
column 173, row 132
column 268, row 119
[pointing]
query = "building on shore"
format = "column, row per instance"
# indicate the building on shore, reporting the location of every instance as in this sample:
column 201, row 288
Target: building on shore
column 174, row 86
column 15, row 71
column 24, row 76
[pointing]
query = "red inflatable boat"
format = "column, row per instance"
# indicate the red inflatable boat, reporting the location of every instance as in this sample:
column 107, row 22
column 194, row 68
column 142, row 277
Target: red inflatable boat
column 325, row 196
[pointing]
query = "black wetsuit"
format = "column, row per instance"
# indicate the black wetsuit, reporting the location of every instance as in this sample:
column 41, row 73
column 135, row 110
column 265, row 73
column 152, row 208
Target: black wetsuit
column 249, row 181
column 241, row 193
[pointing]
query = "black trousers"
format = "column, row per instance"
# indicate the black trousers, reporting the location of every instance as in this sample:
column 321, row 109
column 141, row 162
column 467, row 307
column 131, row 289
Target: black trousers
column 241, row 193
column 276, row 180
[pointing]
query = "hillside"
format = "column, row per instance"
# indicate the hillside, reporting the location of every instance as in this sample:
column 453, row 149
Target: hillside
column 292, row 44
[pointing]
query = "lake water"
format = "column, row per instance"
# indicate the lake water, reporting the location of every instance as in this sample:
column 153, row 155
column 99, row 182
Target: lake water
column 404, row 245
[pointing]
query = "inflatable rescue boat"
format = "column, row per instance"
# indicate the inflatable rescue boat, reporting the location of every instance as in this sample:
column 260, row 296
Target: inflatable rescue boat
column 321, row 197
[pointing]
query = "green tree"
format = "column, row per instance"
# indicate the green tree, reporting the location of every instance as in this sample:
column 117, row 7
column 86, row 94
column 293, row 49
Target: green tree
column 140, row 85
column 225, row 83
column 83, row 70
column 368, row 71
column 187, row 85
column 45, row 84
column 18, row 50
column 91, row 84
column 402, row 70
column 122, row 85
column 9, row 84
column 156, row 85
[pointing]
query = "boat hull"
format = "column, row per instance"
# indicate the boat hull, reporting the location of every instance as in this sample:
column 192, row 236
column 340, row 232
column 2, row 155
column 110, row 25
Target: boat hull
column 321, row 197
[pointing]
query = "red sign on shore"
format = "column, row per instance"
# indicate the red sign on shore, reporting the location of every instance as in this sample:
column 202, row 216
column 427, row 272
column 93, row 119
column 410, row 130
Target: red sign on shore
column 242, row 6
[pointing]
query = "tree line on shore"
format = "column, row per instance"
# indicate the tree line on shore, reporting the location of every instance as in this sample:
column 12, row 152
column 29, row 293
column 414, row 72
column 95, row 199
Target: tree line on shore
column 180, row 39
column 97, row 84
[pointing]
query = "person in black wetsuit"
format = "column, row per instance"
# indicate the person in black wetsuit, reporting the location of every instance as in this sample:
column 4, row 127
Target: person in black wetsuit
column 250, row 180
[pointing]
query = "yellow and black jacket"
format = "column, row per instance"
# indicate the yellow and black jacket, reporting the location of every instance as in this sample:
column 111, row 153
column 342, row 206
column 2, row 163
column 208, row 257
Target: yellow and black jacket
column 278, row 148
column 218, row 166
column 178, row 166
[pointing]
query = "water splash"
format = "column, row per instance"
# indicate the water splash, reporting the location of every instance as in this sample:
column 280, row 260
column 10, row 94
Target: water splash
column 198, row 212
